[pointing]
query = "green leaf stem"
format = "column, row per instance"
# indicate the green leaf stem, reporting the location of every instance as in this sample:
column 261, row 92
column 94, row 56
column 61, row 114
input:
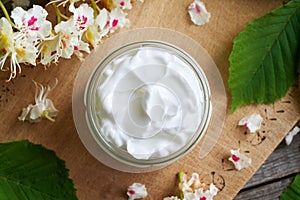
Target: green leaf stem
column 265, row 57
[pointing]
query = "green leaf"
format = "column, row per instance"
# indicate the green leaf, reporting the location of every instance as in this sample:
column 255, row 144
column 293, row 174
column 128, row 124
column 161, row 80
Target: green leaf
column 293, row 191
column 29, row 171
column 265, row 57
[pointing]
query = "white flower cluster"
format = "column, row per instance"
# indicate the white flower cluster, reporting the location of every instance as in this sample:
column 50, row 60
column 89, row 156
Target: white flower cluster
column 30, row 38
column 194, row 189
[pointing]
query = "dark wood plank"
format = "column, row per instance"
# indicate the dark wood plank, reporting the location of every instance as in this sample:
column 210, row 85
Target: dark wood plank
column 269, row 191
column 284, row 161
column 275, row 174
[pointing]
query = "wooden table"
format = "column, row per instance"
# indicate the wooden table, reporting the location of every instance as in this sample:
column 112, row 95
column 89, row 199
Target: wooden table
column 92, row 179
column 276, row 173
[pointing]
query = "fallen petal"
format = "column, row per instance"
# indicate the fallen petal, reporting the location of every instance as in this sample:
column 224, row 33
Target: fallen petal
column 252, row 122
column 198, row 13
column 239, row 160
column 289, row 137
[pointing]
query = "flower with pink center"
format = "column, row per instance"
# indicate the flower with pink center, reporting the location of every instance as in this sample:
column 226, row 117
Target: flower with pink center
column 16, row 48
column 198, row 13
column 69, row 40
column 239, row 160
column 117, row 19
column 235, row 158
column 252, row 122
column 94, row 34
column 123, row 4
column 32, row 24
column 83, row 16
column 136, row 191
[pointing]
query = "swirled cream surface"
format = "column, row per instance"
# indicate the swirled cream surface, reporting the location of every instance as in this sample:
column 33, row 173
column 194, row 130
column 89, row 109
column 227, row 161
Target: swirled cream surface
column 149, row 102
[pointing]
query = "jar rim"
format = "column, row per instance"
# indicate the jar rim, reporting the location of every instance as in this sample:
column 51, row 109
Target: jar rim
column 121, row 155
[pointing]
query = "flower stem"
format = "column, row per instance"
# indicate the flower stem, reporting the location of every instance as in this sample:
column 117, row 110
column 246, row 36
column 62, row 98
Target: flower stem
column 6, row 13
column 58, row 14
column 46, row 116
column 94, row 7
column 180, row 179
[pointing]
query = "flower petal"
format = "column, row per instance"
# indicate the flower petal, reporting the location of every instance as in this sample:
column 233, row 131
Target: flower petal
column 252, row 122
column 198, row 13
column 136, row 191
column 239, row 160
column 289, row 137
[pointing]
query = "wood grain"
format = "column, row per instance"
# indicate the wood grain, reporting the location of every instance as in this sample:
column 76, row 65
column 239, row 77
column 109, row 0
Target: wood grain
column 275, row 174
column 269, row 191
column 92, row 179
column 283, row 162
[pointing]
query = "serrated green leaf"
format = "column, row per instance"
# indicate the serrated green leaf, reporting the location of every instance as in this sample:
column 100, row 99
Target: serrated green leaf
column 29, row 171
column 265, row 57
column 293, row 190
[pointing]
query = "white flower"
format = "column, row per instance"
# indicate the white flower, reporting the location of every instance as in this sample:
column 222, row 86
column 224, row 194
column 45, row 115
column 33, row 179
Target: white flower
column 6, row 40
column 198, row 194
column 16, row 48
column 48, row 50
column 117, row 19
column 192, row 184
column 32, row 24
column 201, row 194
column 252, row 122
column 98, row 30
column 43, row 107
column 83, row 17
column 289, row 137
column 69, row 40
column 198, row 13
column 239, row 160
column 136, row 191
column 25, row 52
column 208, row 194
column 123, row 4
column 82, row 46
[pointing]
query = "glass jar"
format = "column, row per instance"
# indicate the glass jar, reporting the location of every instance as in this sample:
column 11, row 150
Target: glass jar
column 122, row 148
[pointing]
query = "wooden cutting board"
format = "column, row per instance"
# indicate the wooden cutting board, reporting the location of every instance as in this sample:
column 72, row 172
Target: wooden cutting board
column 94, row 180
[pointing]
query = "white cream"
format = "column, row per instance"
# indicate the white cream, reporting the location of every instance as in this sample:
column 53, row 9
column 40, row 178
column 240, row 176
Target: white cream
column 149, row 102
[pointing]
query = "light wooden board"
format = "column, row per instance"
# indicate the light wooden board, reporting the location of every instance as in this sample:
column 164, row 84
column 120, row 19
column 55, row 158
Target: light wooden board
column 92, row 179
